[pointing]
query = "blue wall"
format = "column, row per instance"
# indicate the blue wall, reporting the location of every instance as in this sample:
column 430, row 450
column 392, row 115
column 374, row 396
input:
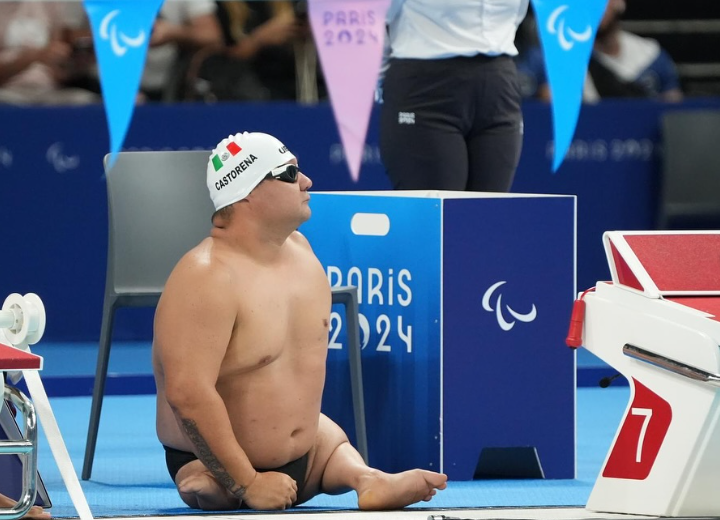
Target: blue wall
column 53, row 205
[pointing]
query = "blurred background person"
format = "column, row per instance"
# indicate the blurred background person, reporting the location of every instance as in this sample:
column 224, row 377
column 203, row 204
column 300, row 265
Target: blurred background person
column 181, row 29
column 269, row 54
column 38, row 59
column 263, row 34
column 622, row 65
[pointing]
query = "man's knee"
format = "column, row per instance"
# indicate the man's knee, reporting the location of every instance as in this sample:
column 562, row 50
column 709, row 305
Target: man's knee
column 200, row 490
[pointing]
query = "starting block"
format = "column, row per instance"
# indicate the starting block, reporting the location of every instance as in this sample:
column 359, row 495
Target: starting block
column 22, row 323
column 20, row 480
column 658, row 324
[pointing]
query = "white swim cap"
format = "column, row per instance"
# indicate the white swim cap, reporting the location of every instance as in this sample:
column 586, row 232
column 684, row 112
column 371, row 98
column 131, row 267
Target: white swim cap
column 239, row 163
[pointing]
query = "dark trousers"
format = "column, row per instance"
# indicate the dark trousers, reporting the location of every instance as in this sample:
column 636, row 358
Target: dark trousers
column 451, row 124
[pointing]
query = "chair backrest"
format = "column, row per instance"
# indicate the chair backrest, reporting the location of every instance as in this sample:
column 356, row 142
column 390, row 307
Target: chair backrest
column 690, row 179
column 158, row 209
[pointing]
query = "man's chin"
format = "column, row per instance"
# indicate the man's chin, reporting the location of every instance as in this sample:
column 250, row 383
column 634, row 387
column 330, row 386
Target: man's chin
column 306, row 215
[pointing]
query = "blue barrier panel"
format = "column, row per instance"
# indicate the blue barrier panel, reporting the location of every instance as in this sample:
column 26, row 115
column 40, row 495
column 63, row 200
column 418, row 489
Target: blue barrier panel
column 53, row 200
column 444, row 377
column 508, row 287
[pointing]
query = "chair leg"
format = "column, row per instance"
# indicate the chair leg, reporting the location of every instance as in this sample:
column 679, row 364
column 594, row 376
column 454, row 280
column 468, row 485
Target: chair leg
column 348, row 297
column 106, row 331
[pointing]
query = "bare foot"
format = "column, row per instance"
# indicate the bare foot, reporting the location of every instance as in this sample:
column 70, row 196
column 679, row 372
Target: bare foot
column 35, row 513
column 394, row 491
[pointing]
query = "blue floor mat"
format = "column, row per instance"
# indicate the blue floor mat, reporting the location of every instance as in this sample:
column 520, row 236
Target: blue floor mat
column 130, row 479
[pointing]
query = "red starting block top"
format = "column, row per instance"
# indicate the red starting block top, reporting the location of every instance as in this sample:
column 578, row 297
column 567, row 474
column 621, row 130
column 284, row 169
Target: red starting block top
column 15, row 359
column 665, row 263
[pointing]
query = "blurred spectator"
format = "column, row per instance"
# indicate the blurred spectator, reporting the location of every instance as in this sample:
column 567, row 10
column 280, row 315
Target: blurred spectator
column 181, row 29
column 37, row 59
column 269, row 54
column 622, row 65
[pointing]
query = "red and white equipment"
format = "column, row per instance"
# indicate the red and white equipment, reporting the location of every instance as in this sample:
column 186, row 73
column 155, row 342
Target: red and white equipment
column 658, row 324
column 22, row 323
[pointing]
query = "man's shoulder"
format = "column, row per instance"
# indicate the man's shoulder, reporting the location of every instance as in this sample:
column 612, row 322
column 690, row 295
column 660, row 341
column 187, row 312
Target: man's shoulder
column 298, row 238
column 204, row 263
column 300, row 241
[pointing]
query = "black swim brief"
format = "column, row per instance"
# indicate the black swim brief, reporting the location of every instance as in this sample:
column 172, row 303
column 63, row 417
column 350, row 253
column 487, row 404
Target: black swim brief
column 296, row 469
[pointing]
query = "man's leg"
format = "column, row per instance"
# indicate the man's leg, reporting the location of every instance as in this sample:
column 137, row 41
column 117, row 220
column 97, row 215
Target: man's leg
column 336, row 467
column 200, row 490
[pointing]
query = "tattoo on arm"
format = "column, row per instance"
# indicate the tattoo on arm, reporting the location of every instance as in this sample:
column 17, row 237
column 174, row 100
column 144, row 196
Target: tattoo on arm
column 211, row 462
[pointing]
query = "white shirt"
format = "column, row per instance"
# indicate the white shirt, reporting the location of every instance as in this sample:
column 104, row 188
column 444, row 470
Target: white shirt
column 636, row 55
column 430, row 29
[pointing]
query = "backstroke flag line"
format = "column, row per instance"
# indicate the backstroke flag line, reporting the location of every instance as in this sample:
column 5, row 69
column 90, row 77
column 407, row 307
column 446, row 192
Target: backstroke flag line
column 349, row 37
column 121, row 33
column 567, row 31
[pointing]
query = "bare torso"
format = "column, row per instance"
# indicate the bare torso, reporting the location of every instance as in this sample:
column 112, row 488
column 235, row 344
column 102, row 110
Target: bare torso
column 272, row 375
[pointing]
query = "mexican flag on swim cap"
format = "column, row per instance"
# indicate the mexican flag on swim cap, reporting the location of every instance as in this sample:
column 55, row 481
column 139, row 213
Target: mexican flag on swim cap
column 232, row 148
column 240, row 162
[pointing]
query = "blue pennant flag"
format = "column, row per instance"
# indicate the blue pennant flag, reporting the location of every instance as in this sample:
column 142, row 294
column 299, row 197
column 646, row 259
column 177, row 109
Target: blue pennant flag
column 567, row 32
column 121, row 32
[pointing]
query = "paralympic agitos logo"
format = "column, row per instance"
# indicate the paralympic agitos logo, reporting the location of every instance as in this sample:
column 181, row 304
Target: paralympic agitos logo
column 119, row 41
column 500, row 312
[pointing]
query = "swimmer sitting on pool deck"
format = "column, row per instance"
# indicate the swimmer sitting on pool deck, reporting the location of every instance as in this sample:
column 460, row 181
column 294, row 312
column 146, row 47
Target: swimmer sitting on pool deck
column 239, row 353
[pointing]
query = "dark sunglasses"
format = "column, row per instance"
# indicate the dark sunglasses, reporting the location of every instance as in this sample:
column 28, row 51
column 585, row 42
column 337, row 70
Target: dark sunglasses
column 285, row 173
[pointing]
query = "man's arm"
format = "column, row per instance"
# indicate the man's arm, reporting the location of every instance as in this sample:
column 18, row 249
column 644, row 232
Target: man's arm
column 200, row 31
column 193, row 325
column 669, row 78
column 282, row 28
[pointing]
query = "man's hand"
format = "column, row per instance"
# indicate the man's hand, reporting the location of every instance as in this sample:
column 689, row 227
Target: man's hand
column 271, row 490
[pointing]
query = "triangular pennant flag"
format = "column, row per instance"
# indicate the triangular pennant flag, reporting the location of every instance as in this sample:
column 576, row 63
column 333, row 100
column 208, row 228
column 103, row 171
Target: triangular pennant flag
column 567, row 32
column 121, row 33
column 349, row 36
